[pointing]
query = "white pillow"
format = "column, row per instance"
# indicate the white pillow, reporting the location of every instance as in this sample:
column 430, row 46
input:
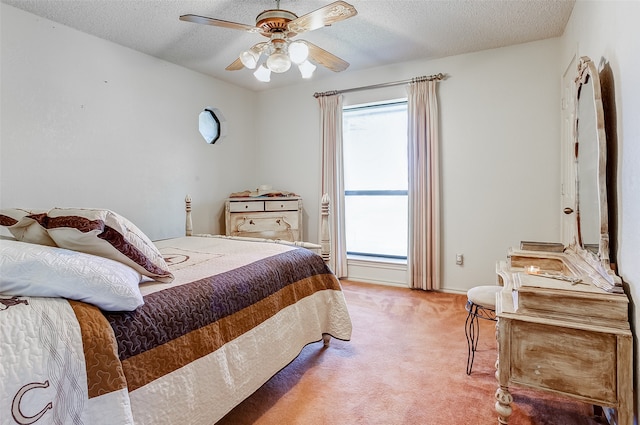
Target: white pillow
column 42, row 271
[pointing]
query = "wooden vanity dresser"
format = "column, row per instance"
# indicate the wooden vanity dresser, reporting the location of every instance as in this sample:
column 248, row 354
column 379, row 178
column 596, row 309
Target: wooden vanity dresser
column 568, row 338
column 563, row 317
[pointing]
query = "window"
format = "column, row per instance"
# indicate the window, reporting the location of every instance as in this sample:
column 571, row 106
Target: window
column 376, row 181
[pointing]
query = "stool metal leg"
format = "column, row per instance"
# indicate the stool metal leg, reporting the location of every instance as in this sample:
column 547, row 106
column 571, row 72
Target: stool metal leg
column 472, row 328
column 472, row 332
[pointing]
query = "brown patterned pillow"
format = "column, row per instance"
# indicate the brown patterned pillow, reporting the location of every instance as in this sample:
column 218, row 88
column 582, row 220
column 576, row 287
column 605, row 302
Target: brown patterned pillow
column 107, row 234
column 25, row 228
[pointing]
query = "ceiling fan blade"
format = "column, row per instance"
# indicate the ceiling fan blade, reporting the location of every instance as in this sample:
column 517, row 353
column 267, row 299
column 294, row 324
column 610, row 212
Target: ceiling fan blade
column 327, row 15
column 196, row 19
column 325, row 58
column 236, row 65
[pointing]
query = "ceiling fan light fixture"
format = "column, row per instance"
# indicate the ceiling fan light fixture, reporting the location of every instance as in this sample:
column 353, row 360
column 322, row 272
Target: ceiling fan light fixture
column 306, row 69
column 249, row 58
column 263, row 74
column 298, row 52
column 279, row 27
column 279, row 62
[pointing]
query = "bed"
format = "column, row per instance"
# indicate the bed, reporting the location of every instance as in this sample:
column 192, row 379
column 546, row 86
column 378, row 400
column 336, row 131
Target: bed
column 99, row 325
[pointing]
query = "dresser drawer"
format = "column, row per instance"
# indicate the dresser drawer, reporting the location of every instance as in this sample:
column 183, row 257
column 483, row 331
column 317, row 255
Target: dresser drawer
column 246, row 206
column 269, row 225
column 281, row 205
column 566, row 360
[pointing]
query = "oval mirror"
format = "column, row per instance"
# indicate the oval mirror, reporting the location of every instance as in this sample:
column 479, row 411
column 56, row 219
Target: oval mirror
column 591, row 183
column 587, row 168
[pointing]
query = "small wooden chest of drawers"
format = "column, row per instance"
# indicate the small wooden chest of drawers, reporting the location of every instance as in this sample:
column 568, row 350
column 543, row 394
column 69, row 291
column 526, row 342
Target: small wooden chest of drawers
column 264, row 217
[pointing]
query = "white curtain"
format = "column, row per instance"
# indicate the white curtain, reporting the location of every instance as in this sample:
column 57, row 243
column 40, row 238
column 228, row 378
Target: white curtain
column 333, row 178
column 424, row 185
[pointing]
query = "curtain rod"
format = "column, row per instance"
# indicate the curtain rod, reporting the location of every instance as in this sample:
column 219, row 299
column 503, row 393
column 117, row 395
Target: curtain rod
column 436, row 77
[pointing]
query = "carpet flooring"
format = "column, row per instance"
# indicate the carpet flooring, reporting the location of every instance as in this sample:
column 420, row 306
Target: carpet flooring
column 405, row 364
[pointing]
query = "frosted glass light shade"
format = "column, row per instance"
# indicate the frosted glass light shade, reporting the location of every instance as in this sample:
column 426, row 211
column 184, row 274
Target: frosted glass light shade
column 249, row 58
column 263, row 74
column 279, row 62
column 298, row 52
column 306, row 69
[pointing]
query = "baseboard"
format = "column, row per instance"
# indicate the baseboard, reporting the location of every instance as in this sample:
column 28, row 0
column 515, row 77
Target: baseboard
column 452, row 291
column 377, row 282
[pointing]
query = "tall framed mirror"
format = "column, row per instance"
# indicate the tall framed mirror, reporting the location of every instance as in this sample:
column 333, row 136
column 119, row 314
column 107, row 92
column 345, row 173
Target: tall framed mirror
column 592, row 213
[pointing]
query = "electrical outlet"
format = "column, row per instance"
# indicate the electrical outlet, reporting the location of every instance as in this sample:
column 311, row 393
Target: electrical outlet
column 459, row 259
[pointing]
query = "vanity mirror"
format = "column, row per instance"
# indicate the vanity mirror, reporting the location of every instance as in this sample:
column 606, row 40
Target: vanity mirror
column 592, row 216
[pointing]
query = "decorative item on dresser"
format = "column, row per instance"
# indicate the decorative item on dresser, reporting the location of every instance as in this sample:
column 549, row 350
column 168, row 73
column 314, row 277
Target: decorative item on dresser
column 264, row 213
column 563, row 321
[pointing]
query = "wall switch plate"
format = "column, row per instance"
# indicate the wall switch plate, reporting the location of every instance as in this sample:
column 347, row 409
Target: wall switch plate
column 459, row 259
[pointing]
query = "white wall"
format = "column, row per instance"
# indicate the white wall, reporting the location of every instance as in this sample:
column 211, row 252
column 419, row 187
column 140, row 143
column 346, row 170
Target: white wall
column 89, row 123
column 608, row 33
column 500, row 131
column 101, row 107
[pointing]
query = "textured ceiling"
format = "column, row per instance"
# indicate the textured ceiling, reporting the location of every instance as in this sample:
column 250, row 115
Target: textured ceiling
column 383, row 32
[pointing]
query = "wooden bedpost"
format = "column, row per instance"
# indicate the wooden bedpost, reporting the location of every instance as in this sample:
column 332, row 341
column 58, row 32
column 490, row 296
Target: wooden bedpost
column 188, row 224
column 325, row 250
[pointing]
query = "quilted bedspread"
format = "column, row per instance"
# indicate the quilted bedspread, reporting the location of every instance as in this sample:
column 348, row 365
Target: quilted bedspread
column 236, row 314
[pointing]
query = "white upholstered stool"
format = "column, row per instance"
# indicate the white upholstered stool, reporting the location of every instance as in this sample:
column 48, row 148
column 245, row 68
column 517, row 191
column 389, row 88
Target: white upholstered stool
column 481, row 304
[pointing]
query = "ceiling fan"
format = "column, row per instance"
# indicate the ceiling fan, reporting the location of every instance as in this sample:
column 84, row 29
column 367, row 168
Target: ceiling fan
column 280, row 26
